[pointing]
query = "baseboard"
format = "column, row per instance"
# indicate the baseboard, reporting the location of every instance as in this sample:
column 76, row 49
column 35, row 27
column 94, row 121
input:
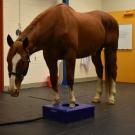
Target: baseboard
column 41, row 84
column 78, row 80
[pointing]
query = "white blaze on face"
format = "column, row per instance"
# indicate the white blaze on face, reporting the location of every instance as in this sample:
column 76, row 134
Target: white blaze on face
column 15, row 60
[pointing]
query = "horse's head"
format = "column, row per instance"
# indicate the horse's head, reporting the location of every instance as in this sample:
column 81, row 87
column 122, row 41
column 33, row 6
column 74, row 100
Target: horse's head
column 18, row 63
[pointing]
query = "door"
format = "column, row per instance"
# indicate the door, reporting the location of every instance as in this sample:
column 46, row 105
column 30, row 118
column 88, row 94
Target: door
column 1, row 47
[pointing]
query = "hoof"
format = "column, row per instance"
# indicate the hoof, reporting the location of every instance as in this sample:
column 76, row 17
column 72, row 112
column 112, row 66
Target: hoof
column 56, row 102
column 111, row 102
column 72, row 104
column 95, row 100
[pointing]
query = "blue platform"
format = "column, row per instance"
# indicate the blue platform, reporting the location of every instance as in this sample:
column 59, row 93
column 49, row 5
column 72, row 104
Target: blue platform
column 63, row 113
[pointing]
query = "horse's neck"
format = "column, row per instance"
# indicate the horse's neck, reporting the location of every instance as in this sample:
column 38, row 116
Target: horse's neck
column 39, row 31
column 33, row 38
column 31, row 46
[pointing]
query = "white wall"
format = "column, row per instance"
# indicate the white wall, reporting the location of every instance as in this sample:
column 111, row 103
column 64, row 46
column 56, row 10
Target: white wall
column 86, row 5
column 117, row 5
column 29, row 9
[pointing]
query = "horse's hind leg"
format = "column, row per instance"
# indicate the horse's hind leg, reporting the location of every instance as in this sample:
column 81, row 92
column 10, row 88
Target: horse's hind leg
column 53, row 69
column 96, row 59
column 70, row 66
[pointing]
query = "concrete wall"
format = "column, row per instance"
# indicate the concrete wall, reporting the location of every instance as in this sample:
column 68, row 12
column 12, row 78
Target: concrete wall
column 28, row 10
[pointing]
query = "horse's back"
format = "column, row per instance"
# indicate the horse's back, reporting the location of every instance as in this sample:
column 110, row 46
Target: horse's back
column 111, row 27
column 107, row 20
column 66, row 19
column 85, row 31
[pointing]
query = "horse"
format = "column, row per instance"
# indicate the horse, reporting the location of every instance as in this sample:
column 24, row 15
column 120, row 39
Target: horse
column 64, row 34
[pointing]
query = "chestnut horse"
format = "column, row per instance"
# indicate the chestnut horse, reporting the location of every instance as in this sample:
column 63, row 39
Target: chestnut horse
column 63, row 33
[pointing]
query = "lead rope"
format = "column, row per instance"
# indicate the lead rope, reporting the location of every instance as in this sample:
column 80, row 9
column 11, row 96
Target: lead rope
column 18, row 31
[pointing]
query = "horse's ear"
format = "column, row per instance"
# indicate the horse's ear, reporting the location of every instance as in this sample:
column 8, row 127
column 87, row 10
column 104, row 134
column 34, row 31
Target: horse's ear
column 25, row 43
column 10, row 40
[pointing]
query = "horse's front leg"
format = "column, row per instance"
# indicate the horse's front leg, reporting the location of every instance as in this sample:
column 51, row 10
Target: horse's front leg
column 54, row 80
column 53, row 69
column 70, row 66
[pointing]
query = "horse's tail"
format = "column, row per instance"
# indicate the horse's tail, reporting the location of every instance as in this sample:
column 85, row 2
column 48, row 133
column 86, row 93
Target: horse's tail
column 110, row 51
column 110, row 67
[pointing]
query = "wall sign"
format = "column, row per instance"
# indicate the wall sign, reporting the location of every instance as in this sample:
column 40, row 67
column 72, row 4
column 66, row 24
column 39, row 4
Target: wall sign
column 125, row 36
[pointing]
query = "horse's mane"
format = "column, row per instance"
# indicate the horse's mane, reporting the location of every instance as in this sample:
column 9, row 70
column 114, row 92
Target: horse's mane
column 32, row 25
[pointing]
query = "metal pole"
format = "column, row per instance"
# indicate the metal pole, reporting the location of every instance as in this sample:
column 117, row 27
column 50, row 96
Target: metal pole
column 64, row 81
column 66, row 2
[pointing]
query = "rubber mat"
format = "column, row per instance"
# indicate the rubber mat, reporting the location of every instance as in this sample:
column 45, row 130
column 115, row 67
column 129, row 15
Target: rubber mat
column 28, row 106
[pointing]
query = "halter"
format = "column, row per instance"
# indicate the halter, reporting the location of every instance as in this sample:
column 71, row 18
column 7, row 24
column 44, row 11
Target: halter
column 18, row 75
column 21, row 76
